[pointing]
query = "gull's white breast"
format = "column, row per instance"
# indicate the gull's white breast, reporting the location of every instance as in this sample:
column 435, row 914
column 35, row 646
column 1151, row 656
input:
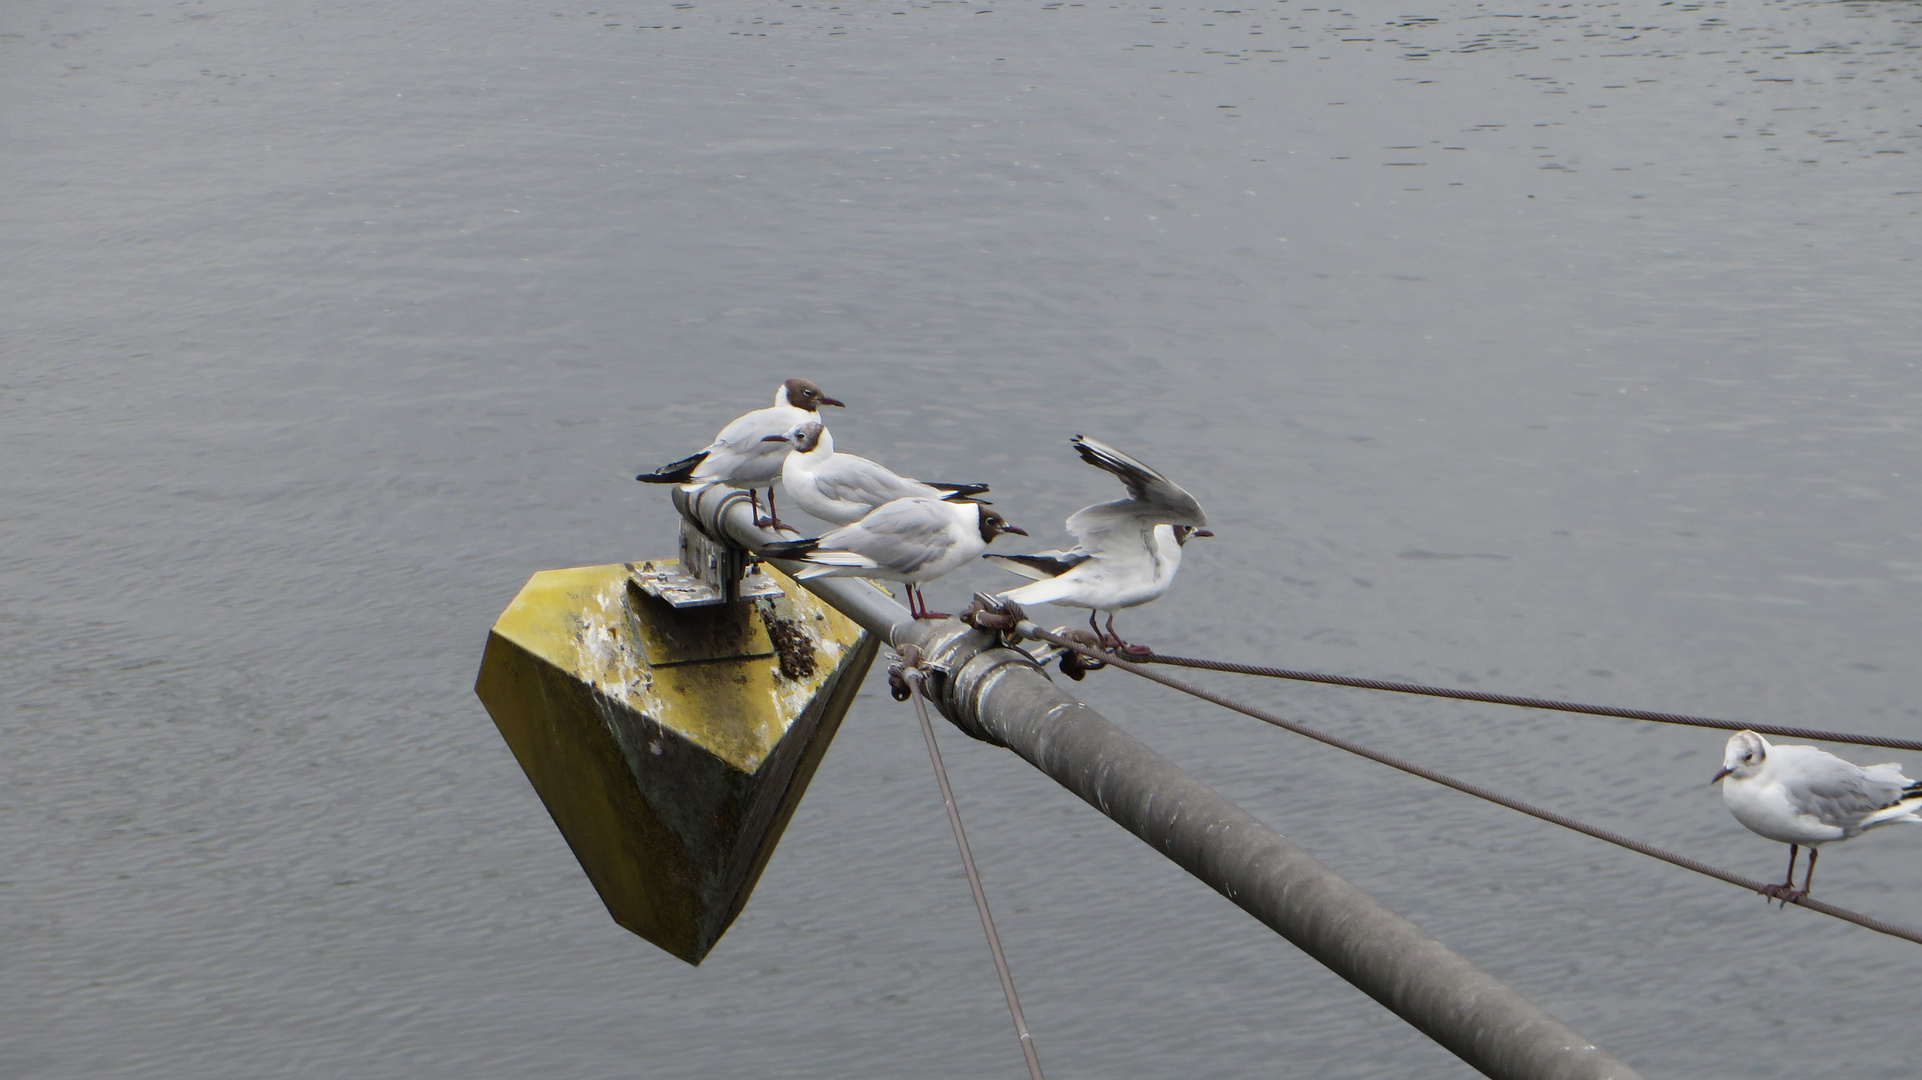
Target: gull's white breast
column 1763, row 804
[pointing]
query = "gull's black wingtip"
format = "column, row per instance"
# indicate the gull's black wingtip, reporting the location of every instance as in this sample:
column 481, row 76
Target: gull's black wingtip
column 1092, row 453
column 790, row 549
column 957, row 491
column 678, row 473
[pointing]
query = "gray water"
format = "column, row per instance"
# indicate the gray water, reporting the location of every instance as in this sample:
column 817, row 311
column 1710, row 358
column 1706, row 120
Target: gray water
column 1545, row 348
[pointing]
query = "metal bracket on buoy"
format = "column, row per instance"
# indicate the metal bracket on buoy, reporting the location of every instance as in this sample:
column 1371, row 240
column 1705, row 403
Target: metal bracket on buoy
column 710, row 571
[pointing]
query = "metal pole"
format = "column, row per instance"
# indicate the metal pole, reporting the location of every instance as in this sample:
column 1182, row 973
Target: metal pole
column 999, row 696
column 725, row 513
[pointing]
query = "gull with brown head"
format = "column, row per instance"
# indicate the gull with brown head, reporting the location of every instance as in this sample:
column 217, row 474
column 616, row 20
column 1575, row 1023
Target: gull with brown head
column 912, row 541
column 742, row 455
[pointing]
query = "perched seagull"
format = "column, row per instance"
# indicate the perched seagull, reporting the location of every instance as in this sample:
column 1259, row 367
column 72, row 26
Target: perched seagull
column 742, row 456
column 843, row 488
column 1126, row 551
column 912, row 541
column 1804, row 797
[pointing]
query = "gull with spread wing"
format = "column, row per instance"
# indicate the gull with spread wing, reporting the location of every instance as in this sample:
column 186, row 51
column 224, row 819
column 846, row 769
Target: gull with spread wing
column 1126, row 551
column 1804, row 797
column 843, row 488
column 742, row 456
column 912, row 541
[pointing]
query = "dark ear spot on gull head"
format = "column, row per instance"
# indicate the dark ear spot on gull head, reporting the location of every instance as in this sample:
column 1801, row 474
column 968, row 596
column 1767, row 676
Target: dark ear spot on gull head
column 803, row 394
column 993, row 525
column 1745, row 753
column 806, row 437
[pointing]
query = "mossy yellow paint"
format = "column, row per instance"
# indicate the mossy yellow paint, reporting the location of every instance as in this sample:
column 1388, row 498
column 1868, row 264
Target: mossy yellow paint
column 670, row 746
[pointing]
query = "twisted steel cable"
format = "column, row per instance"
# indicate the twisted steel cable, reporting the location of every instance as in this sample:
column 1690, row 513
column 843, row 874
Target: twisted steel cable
column 1029, row 629
column 1525, row 702
column 912, row 676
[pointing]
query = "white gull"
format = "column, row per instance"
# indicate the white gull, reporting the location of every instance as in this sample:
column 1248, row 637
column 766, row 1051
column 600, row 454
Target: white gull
column 843, row 488
column 1804, row 797
column 1126, row 551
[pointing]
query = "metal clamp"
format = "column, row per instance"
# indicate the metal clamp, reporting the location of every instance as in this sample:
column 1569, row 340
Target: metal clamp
column 711, row 571
column 998, row 614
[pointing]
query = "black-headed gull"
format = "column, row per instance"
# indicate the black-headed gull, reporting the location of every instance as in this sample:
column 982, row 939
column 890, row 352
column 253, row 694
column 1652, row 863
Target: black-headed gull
column 843, row 488
column 1126, row 551
column 1804, row 797
column 912, row 541
column 741, row 456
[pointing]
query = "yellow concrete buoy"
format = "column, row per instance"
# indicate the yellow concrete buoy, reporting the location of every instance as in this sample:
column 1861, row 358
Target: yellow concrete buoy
column 670, row 745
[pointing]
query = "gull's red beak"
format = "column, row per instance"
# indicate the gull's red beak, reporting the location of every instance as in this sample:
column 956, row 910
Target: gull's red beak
column 1201, row 532
column 1719, row 775
column 1012, row 529
column 775, row 438
column 830, row 401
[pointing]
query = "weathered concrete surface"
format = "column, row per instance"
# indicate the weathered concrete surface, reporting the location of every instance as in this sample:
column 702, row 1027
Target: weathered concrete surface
column 670, row 747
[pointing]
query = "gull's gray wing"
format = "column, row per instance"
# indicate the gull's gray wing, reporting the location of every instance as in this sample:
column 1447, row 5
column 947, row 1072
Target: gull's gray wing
column 1157, row 495
column 1115, row 527
column 740, row 449
column 1834, row 791
column 852, row 478
column 901, row 536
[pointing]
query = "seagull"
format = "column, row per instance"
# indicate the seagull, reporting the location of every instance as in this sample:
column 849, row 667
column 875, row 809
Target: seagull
column 911, row 540
column 843, row 488
column 1127, row 551
column 742, row 456
column 1804, row 797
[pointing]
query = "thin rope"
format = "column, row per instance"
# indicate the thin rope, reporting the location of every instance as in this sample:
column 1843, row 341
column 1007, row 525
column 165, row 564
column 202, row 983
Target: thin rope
column 1029, row 629
column 974, row 879
column 1526, row 702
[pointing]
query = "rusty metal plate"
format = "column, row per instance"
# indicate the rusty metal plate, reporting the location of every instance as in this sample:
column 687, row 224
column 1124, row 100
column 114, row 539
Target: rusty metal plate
column 670, row 635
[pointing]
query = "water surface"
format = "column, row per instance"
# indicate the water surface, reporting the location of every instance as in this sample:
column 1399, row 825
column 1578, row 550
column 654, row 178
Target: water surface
column 1549, row 348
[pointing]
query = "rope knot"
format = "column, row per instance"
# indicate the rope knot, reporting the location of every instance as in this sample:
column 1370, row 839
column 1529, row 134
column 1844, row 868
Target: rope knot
column 1076, row 665
column 910, row 660
column 995, row 614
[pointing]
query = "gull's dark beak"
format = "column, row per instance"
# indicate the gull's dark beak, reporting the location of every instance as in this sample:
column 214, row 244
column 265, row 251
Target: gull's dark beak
column 1719, row 775
column 1201, row 532
column 830, row 401
column 775, row 438
column 1012, row 529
